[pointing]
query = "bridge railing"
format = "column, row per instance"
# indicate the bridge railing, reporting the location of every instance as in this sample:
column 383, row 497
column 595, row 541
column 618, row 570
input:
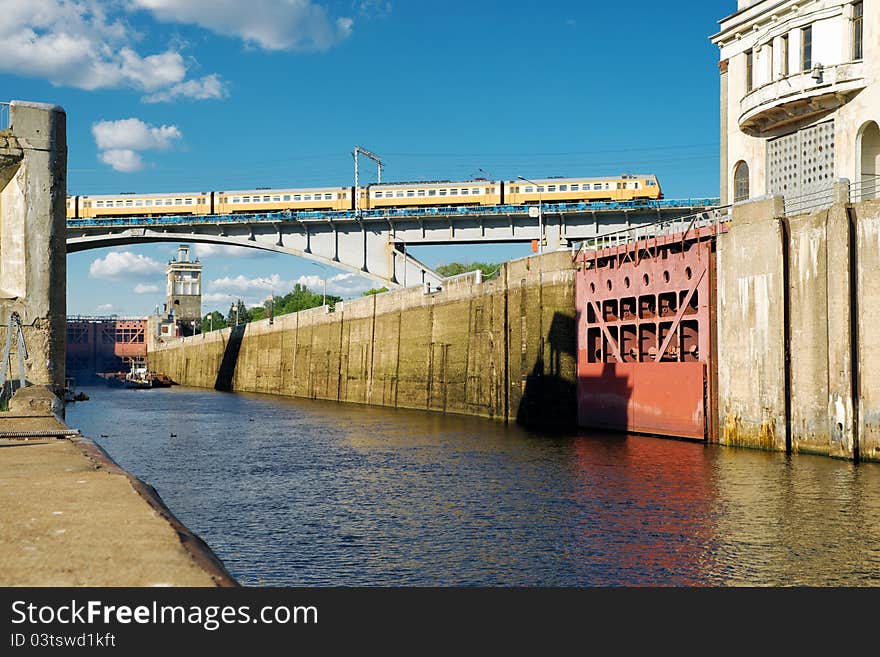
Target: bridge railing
column 4, row 116
column 388, row 214
column 713, row 217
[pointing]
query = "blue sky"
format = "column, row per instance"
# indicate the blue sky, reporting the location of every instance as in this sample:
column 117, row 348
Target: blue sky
column 166, row 95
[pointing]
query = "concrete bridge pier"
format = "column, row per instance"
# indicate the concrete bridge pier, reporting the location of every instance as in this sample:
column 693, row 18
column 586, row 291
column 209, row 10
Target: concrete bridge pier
column 33, row 170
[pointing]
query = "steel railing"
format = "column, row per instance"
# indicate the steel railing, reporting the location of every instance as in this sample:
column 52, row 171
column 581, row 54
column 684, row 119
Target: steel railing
column 866, row 189
column 387, row 214
column 714, row 217
column 809, row 201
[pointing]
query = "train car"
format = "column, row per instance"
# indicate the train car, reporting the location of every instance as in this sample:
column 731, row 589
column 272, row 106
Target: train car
column 440, row 193
column 130, row 205
column 71, row 207
column 276, row 200
column 574, row 190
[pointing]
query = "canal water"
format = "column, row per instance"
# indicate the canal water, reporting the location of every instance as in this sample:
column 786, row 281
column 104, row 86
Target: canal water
column 292, row 492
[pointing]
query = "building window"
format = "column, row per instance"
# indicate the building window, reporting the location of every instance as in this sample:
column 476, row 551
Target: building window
column 857, row 29
column 741, row 182
column 784, row 55
column 749, row 65
column 807, row 48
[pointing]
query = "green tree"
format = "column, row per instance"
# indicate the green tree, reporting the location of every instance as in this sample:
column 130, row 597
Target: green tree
column 375, row 290
column 489, row 269
column 242, row 316
column 302, row 298
column 213, row 321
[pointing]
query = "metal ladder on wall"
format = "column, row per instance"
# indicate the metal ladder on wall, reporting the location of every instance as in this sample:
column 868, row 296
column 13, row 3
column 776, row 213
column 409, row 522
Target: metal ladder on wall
column 14, row 325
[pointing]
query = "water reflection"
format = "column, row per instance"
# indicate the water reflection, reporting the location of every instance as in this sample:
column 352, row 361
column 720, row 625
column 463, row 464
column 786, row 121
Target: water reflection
column 298, row 492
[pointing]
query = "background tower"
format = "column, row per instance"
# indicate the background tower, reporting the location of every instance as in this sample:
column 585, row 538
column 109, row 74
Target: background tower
column 184, row 290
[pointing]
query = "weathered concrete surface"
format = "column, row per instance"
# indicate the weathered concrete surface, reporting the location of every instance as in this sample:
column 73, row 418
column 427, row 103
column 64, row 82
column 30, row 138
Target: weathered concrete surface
column 806, row 286
column 72, row 517
column 33, row 189
column 501, row 349
column 751, row 339
column 808, row 319
column 866, row 216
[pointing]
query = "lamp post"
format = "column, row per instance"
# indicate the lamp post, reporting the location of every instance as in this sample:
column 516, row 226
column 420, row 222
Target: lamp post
column 540, row 215
column 271, row 311
column 323, row 278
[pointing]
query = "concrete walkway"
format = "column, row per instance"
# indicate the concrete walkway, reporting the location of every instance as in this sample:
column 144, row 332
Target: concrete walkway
column 69, row 516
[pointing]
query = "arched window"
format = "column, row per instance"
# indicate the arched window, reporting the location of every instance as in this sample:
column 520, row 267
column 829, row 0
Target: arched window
column 741, row 182
column 868, row 153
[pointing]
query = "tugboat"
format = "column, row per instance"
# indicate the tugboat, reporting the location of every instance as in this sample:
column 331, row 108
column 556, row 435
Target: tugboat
column 138, row 378
column 141, row 377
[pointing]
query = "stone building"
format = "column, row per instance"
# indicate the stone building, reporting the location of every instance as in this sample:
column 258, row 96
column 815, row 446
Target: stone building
column 800, row 99
column 184, row 291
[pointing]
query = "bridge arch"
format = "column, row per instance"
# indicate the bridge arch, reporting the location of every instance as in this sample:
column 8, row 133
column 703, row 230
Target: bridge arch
column 416, row 272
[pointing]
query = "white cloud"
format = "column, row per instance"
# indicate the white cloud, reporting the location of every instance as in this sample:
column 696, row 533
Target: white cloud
column 254, row 290
column 119, row 141
column 122, row 159
column 133, row 133
column 268, row 24
column 124, row 264
column 218, row 298
column 85, row 44
column 143, row 288
column 375, row 8
column 228, row 251
column 104, row 307
column 343, row 285
column 210, row 86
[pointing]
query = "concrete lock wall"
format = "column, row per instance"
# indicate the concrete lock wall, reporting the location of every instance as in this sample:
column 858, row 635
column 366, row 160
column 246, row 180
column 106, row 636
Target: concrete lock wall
column 504, row 348
column 797, row 349
column 33, row 193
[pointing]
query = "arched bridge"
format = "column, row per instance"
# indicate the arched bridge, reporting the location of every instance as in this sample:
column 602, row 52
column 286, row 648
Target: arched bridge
column 374, row 242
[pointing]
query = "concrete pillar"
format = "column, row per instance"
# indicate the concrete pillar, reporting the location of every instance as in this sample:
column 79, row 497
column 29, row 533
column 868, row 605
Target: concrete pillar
column 752, row 334
column 33, row 194
column 841, row 379
column 724, row 193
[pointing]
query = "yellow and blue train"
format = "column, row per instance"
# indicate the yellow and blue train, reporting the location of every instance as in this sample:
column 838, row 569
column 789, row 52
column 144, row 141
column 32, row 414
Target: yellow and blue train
column 478, row 192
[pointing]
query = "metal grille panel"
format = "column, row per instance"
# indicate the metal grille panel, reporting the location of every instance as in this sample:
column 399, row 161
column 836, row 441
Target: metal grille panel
column 800, row 166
